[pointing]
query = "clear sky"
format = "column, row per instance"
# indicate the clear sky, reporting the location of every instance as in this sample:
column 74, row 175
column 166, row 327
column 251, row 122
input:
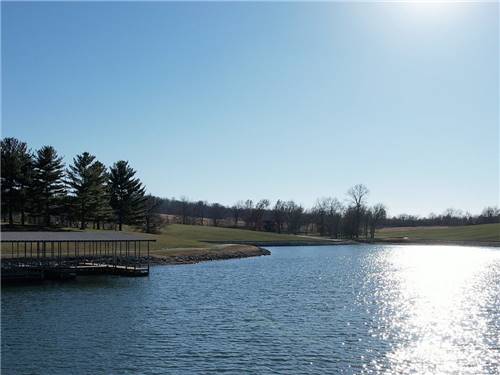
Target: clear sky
column 228, row 101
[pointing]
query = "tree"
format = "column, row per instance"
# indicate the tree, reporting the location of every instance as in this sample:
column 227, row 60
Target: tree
column 279, row 214
column 127, row 194
column 490, row 215
column 376, row 215
column 101, row 194
column 216, row 213
column 294, row 215
column 25, row 182
column 16, row 173
column 319, row 215
column 357, row 194
column 81, row 181
column 258, row 213
column 87, row 179
column 152, row 218
column 200, row 209
column 333, row 216
column 350, row 225
column 184, row 209
column 248, row 213
column 48, row 185
column 237, row 211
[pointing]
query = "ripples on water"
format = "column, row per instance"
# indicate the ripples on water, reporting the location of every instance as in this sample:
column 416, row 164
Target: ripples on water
column 303, row 310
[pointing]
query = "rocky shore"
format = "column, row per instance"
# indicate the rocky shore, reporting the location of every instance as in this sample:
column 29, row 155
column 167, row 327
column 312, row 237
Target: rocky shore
column 190, row 256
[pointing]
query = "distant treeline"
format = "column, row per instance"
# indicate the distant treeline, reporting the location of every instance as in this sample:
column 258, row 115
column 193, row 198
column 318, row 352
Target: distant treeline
column 328, row 217
column 449, row 217
column 37, row 188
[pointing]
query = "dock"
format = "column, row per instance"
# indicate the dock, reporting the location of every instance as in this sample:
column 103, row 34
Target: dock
column 40, row 256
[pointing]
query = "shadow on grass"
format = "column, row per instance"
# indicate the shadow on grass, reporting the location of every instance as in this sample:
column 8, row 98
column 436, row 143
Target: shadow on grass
column 32, row 228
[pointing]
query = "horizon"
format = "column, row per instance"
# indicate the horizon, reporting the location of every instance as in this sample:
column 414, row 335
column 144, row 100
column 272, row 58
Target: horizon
column 279, row 101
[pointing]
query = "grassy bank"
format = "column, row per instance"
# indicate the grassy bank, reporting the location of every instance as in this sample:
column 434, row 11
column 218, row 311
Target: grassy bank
column 178, row 243
column 195, row 236
column 472, row 233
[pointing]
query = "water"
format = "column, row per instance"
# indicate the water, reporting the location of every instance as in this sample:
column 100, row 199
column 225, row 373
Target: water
column 302, row 310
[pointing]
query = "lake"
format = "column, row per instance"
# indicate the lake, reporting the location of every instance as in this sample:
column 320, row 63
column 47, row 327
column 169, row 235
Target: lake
column 302, row 310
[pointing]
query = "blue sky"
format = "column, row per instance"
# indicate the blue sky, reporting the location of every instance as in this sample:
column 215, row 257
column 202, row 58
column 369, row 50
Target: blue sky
column 228, row 101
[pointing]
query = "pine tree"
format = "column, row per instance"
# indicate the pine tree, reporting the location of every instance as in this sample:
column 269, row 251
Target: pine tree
column 15, row 176
column 101, row 194
column 81, row 180
column 48, row 185
column 25, row 182
column 127, row 194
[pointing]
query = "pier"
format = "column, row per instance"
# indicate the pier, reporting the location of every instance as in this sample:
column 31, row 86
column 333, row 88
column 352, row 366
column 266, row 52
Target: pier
column 39, row 256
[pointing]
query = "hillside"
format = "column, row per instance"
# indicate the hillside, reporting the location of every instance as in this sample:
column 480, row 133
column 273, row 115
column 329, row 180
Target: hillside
column 484, row 232
column 194, row 236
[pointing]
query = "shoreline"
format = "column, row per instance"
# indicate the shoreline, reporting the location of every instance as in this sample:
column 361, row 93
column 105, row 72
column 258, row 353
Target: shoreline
column 402, row 241
column 245, row 249
column 314, row 242
column 198, row 255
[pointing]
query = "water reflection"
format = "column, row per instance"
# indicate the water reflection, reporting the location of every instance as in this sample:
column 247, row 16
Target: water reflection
column 440, row 308
column 303, row 310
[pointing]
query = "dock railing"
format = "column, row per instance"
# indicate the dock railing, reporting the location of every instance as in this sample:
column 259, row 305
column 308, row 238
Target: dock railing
column 120, row 254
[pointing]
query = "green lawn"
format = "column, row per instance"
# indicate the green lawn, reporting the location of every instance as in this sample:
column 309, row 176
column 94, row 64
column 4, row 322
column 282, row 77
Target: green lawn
column 484, row 232
column 183, row 239
column 178, row 236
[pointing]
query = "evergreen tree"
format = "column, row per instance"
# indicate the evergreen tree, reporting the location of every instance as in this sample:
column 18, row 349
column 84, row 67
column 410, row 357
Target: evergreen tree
column 85, row 180
column 25, row 182
column 16, row 166
column 48, row 185
column 101, row 194
column 127, row 194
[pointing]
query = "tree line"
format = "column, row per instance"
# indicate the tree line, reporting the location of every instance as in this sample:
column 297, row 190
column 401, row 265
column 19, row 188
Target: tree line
column 328, row 217
column 450, row 217
column 37, row 188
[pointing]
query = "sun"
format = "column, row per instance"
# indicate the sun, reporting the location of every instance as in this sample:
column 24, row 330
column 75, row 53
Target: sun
column 422, row 15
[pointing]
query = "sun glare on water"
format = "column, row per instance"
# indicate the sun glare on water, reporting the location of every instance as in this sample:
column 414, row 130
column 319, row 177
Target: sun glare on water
column 440, row 311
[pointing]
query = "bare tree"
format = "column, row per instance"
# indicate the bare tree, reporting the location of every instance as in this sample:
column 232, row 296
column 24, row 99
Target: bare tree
column 279, row 214
column 248, row 213
column 237, row 211
column 376, row 215
column 216, row 213
column 333, row 216
column 319, row 214
column 357, row 194
column 152, row 217
column 200, row 209
column 490, row 215
column 259, row 210
column 184, row 209
column 294, row 217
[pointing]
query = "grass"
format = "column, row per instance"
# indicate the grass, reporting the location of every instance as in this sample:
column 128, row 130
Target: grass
column 483, row 232
column 178, row 239
column 193, row 236
column 182, row 239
